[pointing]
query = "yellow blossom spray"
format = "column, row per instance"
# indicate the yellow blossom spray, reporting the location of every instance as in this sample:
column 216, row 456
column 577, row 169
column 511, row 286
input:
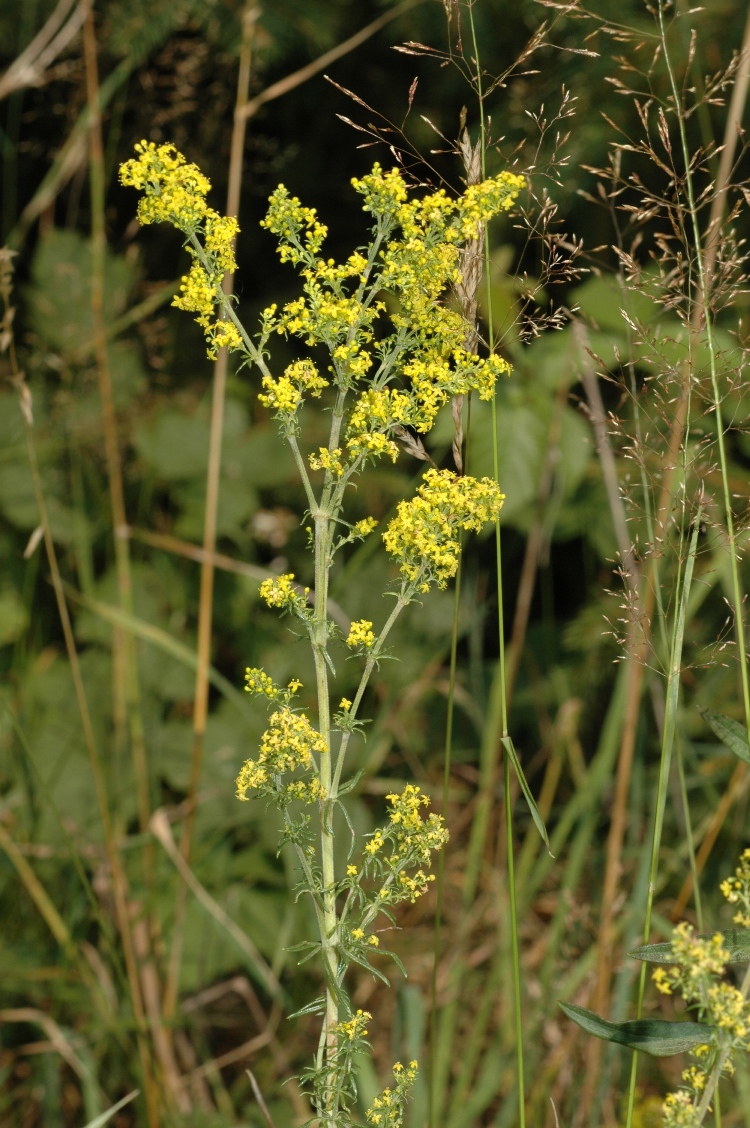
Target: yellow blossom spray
column 388, row 376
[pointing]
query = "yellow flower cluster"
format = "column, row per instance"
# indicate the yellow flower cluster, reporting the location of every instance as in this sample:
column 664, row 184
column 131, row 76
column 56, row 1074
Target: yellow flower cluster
column 175, row 192
column 679, row 1110
column 285, row 395
column 387, row 1110
column 297, row 227
column 358, row 935
column 422, row 535
column 415, row 836
column 327, row 459
column 287, row 744
column 356, row 1027
column 480, row 202
column 418, row 260
column 262, row 684
column 282, row 592
column 364, row 527
column 361, row 634
column 736, row 889
column 698, row 973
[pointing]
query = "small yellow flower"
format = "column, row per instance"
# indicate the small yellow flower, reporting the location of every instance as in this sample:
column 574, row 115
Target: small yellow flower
column 361, row 634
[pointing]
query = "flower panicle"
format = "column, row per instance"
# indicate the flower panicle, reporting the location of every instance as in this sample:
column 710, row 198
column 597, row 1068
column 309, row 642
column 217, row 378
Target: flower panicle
column 174, row 192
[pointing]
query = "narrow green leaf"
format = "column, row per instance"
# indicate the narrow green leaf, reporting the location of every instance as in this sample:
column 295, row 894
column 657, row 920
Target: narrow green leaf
column 649, row 1035
column 510, row 751
column 730, row 732
column 735, row 940
column 105, row 1116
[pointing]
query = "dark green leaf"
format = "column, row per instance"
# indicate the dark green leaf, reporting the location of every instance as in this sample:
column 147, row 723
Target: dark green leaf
column 649, row 1035
column 731, row 733
column 507, row 744
column 736, row 941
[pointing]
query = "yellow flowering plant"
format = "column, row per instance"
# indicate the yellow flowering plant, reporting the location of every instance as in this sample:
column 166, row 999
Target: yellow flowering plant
column 393, row 365
column 695, row 967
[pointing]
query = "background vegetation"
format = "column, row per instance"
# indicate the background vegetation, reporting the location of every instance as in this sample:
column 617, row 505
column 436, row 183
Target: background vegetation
column 578, row 499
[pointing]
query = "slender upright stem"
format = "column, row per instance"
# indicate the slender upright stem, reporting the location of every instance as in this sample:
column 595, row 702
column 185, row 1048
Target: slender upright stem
column 516, row 958
column 124, row 641
column 118, row 877
column 213, row 475
column 447, row 752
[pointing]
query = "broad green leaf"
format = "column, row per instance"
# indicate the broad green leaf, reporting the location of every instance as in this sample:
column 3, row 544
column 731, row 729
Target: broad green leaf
column 105, row 1116
column 735, row 940
column 507, row 744
column 730, row 732
column 60, row 298
column 649, row 1035
column 163, row 640
column 13, row 615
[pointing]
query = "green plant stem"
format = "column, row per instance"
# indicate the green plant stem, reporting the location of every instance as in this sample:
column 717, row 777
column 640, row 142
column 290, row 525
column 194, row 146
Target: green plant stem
column 447, row 755
column 319, row 639
column 689, row 832
column 501, row 632
column 370, row 664
column 668, row 738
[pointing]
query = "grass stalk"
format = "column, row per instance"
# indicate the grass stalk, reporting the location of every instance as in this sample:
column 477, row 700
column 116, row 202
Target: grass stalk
column 123, row 642
column 213, row 475
column 447, row 754
column 116, row 871
column 510, row 858
column 668, row 739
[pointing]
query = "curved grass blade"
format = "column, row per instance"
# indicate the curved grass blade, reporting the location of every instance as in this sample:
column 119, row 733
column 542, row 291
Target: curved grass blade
column 649, row 1035
column 730, row 733
column 507, row 744
column 105, row 1116
column 735, row 940
column 161, row 639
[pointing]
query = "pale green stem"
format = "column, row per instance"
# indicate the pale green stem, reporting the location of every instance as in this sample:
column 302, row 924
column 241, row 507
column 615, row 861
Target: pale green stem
column 319, row 637
column 668, row 736
column 441, row 861
column 516, row 957
column 689, row 832
column 314, row 508
column 370, row 664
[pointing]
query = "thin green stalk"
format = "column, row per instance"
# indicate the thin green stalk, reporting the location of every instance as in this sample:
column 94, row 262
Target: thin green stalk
column 668, row 738
column 501, row 631
column 447, row 752
column 689, row 832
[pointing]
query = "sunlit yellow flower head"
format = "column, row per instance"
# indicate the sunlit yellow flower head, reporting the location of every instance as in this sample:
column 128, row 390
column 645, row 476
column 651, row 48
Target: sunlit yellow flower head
column 423, row 535
column 289, row 743
column 175, row 192
column 361, row 634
